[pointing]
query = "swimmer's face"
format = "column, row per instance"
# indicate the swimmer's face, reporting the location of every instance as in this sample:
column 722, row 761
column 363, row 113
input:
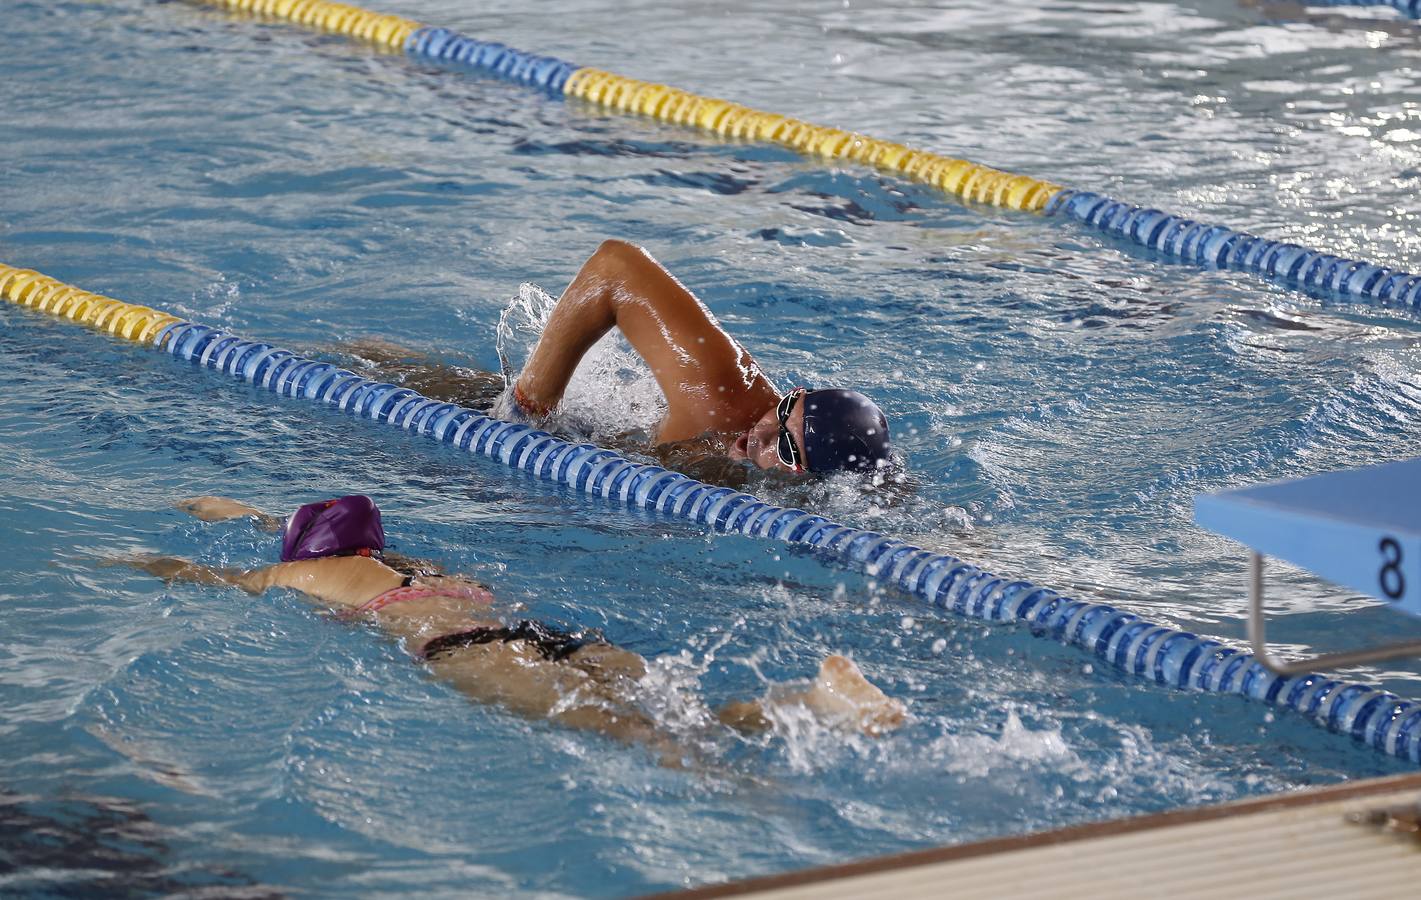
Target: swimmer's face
column 758, row 444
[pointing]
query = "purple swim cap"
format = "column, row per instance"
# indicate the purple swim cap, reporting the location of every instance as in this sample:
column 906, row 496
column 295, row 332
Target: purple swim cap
column 843, row 429
column 349, row 526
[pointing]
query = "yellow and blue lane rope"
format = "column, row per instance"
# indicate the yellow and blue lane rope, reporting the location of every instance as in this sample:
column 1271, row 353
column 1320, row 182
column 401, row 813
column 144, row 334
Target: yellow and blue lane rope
column 1212, row 246
column 1156, row 653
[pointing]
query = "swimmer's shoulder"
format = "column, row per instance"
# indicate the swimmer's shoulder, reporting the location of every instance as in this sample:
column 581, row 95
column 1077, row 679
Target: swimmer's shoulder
column 340, row 580
column 704, row 459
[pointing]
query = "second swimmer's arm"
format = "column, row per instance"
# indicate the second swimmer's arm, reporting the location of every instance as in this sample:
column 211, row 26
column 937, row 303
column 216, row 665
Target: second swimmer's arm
column 338, row 581
column 175, row 568
column 220, row 509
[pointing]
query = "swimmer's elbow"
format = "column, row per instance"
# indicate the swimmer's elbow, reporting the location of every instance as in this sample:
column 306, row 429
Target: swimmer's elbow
column 255, row 582
column 616, row 248
column 620, row 262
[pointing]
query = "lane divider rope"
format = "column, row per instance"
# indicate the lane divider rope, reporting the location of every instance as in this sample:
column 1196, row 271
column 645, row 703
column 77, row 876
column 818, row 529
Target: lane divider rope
column 389, row 32
column 1219, row 247
column 130, row 321
column 957, row 177
column 1198, row 243
column 1410, row 8
column 1124, row 640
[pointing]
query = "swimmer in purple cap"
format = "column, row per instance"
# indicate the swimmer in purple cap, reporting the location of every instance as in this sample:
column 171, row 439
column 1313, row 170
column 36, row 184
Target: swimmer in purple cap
column 714, row 388
column 333, row 552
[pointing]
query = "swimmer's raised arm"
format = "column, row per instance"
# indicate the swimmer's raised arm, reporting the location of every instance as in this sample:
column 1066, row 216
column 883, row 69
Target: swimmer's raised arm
column 711, row 383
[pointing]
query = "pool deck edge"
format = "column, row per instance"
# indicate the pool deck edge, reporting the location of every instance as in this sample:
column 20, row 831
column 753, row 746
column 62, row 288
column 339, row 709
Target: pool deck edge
column 1094, row 831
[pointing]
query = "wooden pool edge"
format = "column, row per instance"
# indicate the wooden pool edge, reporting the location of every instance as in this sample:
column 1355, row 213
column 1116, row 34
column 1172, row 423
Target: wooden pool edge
column 1095, row 831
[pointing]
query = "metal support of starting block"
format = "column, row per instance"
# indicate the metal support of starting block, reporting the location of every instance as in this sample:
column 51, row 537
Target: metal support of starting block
column 1307, row 666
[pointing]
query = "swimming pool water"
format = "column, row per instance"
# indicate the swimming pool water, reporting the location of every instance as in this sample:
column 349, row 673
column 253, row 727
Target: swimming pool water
column 1059, row 401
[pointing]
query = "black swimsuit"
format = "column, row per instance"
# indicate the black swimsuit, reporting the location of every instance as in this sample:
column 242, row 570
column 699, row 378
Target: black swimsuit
column 551, row 643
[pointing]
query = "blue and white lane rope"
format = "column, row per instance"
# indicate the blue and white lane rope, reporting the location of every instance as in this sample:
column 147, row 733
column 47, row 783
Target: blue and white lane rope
column 1163, row 655
column 1410, row 8
column 1218, row 247
column 546, row 72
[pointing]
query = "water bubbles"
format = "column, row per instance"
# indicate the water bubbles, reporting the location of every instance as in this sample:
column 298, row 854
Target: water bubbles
column 939, row 646
column 908, row 623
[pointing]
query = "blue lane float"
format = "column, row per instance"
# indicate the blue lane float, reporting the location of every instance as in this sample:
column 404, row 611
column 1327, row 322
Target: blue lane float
column 1131, row 644
column 1410, row 8
column 1219, row 247
column 546, row 72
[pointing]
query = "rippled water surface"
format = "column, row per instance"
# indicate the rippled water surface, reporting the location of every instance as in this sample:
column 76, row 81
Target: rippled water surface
column 1059, row 400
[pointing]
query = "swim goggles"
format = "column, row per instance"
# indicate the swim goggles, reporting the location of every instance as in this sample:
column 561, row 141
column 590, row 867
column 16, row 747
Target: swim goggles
column 785, row 448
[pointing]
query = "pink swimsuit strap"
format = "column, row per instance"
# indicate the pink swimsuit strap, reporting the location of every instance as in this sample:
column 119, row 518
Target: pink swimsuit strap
column 422, row 592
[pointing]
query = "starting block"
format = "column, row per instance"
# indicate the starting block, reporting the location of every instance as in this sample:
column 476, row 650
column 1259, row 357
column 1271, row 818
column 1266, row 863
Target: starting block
column 1359, row 528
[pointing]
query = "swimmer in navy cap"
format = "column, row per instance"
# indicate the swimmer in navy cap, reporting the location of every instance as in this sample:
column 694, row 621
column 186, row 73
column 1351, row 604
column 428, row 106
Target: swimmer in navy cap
column 714, row 388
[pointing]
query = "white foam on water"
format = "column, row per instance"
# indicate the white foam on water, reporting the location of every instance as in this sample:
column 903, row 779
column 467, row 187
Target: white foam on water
column 1015, row 746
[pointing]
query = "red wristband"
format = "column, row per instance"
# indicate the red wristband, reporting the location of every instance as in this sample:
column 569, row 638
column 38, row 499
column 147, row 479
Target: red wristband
column 528, row 406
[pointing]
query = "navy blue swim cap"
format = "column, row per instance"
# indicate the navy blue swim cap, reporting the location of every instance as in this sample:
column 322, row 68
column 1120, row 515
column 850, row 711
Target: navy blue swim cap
column 843, row 430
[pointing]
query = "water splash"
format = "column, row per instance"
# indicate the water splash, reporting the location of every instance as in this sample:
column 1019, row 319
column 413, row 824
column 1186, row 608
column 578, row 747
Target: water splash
column 977, row 754
column 612, row 393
